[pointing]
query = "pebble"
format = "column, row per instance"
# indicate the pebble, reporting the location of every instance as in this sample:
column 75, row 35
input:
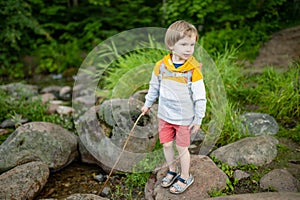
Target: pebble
column 105, row 191
column 99, row 177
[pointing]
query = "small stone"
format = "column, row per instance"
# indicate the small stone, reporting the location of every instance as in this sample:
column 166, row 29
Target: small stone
column 65, row 110
column 57, row 102
column 239, row 174
column 99, row 177
column 105, row 191
column 3, row 131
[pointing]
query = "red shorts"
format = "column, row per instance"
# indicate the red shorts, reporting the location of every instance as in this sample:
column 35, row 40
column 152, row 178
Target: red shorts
column 169, row 132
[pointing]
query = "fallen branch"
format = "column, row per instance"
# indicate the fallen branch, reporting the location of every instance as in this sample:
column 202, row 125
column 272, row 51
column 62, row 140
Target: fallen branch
column 124, row 146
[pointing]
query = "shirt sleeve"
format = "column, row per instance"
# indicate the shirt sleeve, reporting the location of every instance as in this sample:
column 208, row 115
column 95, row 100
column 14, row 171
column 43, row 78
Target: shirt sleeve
column 199, row 99
column 153, row 91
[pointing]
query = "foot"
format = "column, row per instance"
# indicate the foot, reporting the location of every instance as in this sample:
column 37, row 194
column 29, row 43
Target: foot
column 169, row 178
column 181, row 184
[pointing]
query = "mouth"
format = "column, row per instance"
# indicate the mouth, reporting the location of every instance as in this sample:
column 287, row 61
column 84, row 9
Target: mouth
column 186, row 55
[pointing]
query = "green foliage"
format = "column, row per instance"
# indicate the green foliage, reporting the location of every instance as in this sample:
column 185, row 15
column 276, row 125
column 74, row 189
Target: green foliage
column 16, row 24
column 291, row 133
column 231, row 182
column 283, row 92
column 241, row 24
column 56, row 58
column 247, row 39
column 13, row 107
column 231, row 131
column 144, row 57
column 216, row 193
column 58, row 32
column 31, row 109
column 232, row 78
column 276, row 93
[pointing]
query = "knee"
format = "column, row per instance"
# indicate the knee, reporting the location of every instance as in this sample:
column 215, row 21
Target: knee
column 181, row 149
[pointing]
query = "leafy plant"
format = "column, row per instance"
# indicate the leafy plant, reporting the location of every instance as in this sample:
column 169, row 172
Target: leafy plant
column 283, row 97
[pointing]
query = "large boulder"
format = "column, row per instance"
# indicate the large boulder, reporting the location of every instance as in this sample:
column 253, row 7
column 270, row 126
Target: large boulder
column 259, row 124
column 207, row 176
column 281, row 180
column 104, row 130
column 38, row 141
column 24, row 181
column 258, row 150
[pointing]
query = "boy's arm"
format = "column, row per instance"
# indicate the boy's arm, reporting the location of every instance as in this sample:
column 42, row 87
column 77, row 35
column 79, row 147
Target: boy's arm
column 153, row 91
column 199, row 98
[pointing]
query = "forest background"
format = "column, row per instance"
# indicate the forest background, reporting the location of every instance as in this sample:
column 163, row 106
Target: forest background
column 42, row 37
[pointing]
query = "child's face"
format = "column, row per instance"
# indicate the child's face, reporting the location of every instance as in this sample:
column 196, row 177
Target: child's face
column 183, row 49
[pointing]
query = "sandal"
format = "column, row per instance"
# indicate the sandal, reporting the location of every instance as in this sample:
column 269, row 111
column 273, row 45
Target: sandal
column 180, row 189
column 169, row 181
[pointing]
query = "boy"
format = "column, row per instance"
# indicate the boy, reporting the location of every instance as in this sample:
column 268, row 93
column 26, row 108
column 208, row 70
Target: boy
column 177, row 81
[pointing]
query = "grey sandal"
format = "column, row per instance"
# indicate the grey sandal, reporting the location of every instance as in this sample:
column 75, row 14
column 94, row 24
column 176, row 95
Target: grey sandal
column 180, row 189
column 169, row 181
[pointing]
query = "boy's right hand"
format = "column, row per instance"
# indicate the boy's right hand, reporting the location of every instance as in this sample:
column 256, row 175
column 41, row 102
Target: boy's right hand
column 145, row 110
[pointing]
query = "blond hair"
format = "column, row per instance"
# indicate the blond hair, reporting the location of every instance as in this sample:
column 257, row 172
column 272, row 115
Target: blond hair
column 179, row 30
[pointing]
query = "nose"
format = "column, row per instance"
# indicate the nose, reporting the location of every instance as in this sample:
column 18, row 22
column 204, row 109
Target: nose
column 190, row 48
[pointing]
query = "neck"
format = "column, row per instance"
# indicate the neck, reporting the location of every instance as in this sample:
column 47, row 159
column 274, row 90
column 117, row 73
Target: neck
column 177, row 59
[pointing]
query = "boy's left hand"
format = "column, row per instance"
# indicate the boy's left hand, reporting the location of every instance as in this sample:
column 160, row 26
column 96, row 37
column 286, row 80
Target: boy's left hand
column 194, row 128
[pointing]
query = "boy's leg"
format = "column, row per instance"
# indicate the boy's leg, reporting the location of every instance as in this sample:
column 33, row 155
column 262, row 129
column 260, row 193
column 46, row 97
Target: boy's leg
column 182, row 144
column 184, row 157
column 166, row 137
column 169, row 155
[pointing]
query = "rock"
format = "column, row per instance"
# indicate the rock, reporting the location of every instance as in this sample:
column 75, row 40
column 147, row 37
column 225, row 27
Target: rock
column 105, row 140
column 198, row 137
column 10, row 123
column 281, row 180
column 85, row 197
column 207, row 177
column 259, row 124
column 258, row 150
column 38, row 141
column 51, row 109
column 20, row 90
column 24, row 181
column 140, row 95
column 51, row 89
column 239, row 174
column 65, row 93
column 261, row 196
column 87, row 100
column 47, row 97
column 105, row 191
column 99, row 177
column 57, row 102
column 80, row 90
column 3, row 131
column 64, row 110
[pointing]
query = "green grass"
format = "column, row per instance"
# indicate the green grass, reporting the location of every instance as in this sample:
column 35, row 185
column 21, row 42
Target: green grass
column 16, row 108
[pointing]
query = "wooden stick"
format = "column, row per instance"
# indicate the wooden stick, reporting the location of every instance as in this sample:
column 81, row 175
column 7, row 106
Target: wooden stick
column 112, row 169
